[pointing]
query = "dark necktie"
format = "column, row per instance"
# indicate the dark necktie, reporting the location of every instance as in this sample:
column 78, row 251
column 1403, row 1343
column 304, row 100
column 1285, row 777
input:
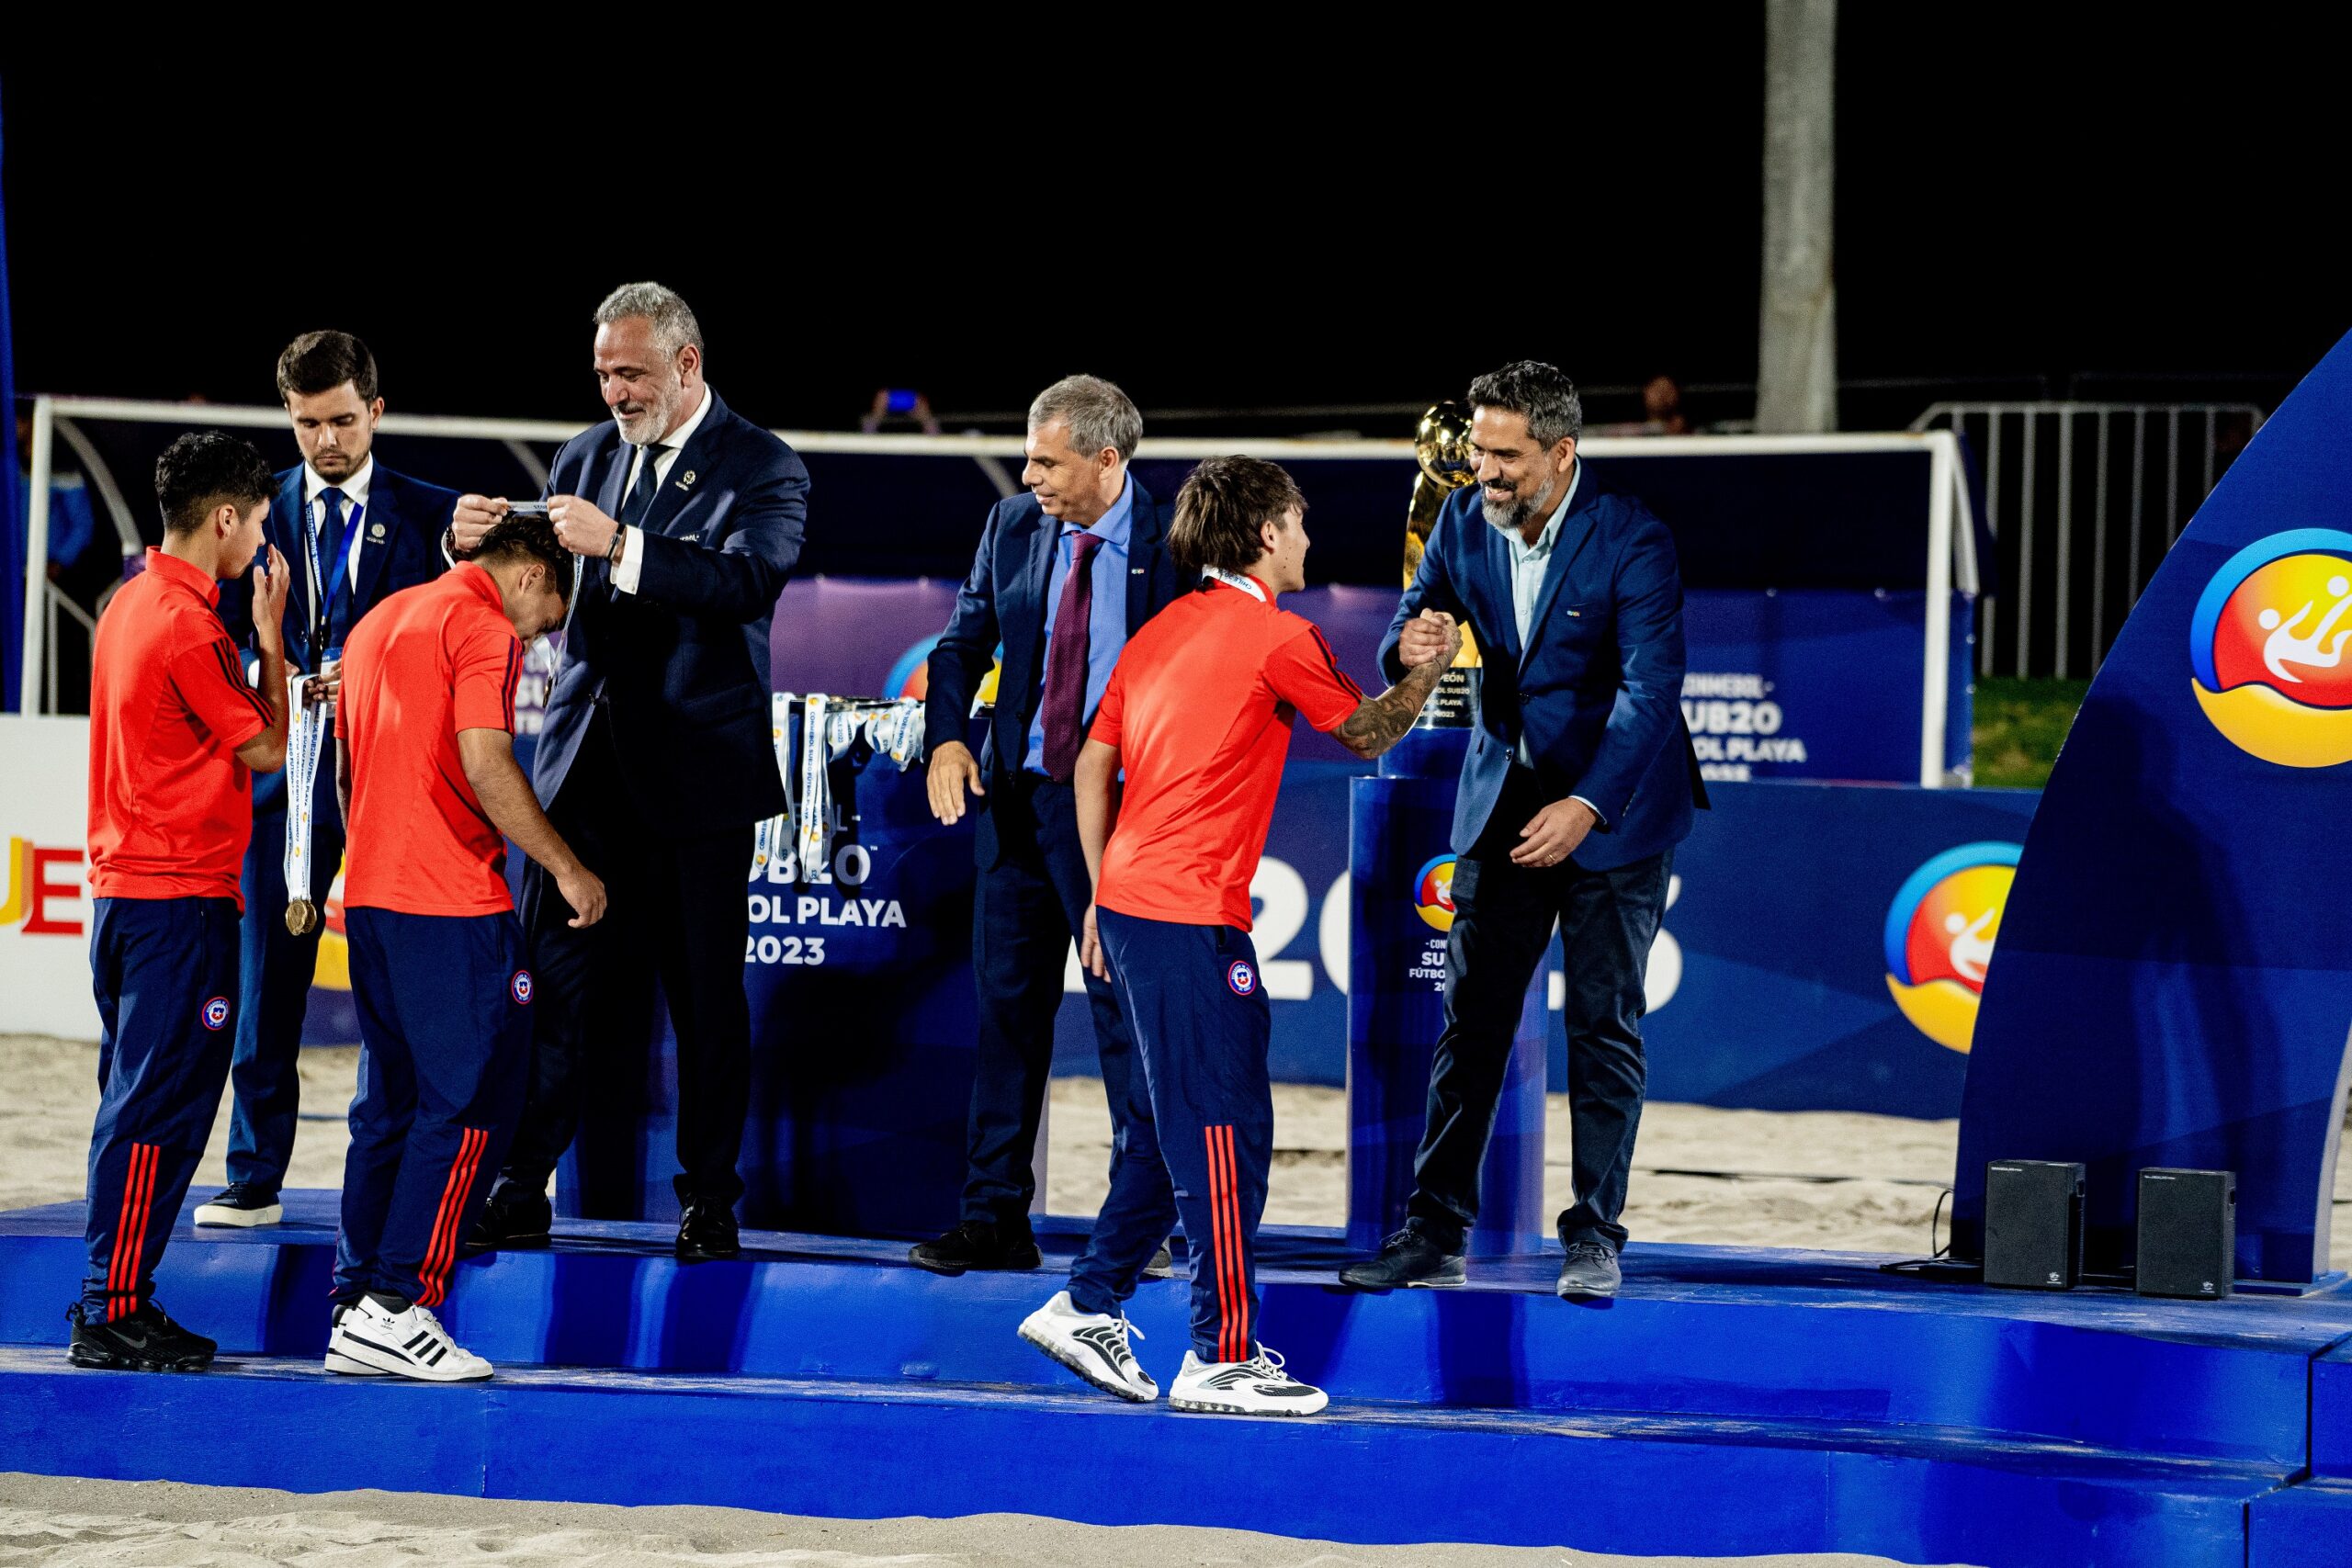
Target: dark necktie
column 640, row 494
column 1064, row 708
column 332, row 611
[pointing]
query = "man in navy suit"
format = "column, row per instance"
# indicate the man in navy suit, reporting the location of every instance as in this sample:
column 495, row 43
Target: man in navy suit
column 356, row 533
column 1062, row 629
column 655, row 760
column 1577, row 785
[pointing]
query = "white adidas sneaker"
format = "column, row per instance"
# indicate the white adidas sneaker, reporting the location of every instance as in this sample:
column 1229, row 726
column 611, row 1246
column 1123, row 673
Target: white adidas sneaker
column 371, row 1339
column 339, row 1363
column 1258, row 1386
column 1092, row 1344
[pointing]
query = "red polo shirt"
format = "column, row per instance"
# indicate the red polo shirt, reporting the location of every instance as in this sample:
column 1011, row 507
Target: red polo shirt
column 171, row 807
column 1200, row 707
column 425, row 663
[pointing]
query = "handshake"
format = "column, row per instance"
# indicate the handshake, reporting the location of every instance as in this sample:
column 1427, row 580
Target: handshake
column 1427, row 639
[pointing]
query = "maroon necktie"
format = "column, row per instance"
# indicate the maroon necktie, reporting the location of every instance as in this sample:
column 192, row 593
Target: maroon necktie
column 1065, row 704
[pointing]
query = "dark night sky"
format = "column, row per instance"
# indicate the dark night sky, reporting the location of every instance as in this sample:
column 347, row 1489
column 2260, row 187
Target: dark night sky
column 2015, row 199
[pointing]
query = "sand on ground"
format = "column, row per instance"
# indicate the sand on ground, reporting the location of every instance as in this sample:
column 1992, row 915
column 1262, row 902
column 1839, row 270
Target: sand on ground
column 60, row 1522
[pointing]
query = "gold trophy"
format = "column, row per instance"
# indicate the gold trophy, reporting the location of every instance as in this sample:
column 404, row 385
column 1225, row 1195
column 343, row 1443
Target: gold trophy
column 1442, row 447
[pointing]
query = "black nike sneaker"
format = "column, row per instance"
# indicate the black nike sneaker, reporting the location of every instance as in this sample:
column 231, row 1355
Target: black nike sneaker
column 140, row 1341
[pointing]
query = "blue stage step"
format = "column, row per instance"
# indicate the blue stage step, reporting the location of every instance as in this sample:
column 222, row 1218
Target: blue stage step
column 1729, row 1400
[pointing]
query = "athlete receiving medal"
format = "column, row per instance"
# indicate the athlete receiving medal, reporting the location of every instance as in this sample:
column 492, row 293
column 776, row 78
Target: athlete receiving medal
column 427, row 769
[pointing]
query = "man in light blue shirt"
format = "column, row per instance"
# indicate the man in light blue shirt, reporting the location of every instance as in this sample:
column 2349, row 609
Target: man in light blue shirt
column 1065, row 574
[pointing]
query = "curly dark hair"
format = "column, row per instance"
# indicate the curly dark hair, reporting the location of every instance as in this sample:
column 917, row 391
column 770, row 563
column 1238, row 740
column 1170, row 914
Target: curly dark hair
column 1219, row 508
column 1540, row 392
column 206, row 469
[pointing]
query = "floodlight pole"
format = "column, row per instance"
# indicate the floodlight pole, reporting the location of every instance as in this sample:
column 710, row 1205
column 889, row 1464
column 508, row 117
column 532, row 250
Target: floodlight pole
column 1796, row 371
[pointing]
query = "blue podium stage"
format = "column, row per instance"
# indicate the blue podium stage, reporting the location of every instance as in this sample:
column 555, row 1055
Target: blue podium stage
column 1729, row 1402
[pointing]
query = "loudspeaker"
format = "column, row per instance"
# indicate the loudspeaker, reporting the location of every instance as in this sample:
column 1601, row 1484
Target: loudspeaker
column 2189, row 1234
column 2033, row 1225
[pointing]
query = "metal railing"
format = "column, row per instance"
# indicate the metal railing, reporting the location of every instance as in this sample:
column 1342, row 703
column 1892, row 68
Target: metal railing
column 2081, row 501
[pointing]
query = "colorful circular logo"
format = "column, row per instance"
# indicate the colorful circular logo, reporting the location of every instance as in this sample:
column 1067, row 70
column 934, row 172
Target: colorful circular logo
column 521, row 987
column 910, row 676
column 1241, row 978
column 1433, row 892
column 216, row 1013
column 2271, row 646
column 1940, row 934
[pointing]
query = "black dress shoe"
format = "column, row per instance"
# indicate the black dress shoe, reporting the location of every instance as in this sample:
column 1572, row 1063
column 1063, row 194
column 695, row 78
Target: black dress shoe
column 140, row 1341
column 1408, row 1257
column 512, row 1219
column 976, row 1244
column 707, row 1232
column 1589, row 1270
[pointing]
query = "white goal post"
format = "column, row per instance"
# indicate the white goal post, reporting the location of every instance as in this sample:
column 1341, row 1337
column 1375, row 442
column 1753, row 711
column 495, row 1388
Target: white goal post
column 1951, row 534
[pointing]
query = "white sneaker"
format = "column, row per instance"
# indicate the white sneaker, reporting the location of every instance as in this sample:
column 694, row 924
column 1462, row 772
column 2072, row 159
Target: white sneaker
column 1092, row 1344
column 1258, row 1386
column 339, row 1363
column 371, row 1339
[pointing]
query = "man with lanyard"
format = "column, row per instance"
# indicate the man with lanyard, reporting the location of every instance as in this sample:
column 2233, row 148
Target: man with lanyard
column 425, row 763
column 176, row 734
column 1198, row 713
column 357, row 533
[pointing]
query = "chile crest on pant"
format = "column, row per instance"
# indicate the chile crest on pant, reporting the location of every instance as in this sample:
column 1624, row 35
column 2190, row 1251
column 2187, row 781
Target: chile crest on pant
column 1241, row 978
column 521, row 987
column 216, row 1013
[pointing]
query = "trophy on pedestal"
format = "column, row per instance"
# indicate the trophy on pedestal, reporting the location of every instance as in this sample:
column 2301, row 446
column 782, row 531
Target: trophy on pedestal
column 1441, row 445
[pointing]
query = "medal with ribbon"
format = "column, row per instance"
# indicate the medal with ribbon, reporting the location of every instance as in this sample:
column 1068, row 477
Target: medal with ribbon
column 306, row 738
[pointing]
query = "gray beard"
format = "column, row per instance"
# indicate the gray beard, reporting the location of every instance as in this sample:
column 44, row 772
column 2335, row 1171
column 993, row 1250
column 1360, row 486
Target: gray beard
column 1511, row 516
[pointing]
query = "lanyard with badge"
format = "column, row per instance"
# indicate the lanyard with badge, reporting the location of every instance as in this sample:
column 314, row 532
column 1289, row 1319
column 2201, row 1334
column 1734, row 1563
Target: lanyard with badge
column 306, row 731
column 1249, row 585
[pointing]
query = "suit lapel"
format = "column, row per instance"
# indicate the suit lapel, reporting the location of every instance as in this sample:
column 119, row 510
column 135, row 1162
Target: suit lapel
column 609, row 498
column 694, row 458
column 381, row 519
column 1142, row 557
column 294, row 543
column 1575, row 528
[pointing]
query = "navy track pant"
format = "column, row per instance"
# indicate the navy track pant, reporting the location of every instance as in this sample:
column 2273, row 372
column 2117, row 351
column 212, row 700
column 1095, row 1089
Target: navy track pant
column 444, row 1051
column 1193, row 999
column 166, row 973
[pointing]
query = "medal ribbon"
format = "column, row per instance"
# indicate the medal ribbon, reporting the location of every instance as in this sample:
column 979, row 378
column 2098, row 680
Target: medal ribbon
column 306, row 734
column 1249, row 585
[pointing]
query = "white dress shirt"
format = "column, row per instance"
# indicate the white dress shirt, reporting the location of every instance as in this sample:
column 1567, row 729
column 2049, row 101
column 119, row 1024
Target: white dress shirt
column 665, row 457
column 1528, row 565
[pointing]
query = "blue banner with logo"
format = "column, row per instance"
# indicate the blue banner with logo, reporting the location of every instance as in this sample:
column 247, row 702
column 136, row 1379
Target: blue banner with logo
column 2175, row 981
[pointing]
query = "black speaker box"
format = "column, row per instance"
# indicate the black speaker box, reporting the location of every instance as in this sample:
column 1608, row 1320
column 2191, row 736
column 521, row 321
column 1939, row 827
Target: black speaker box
column 2189, row 1233
column 2033, row 1225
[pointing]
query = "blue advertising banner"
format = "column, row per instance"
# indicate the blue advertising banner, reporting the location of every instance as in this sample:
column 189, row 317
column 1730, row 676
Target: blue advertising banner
column 2175, row 981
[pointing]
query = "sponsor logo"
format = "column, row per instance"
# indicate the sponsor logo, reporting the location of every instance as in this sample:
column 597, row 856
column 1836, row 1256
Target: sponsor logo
column 35, row 884
column 216, row 1013
column 910, row 676
column 2268, row 647
column 1433, row 892
column 1940, row 934
column 1241, row 978
column 521, row 987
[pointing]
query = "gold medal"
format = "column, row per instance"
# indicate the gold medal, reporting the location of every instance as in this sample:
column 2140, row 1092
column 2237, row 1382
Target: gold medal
column 302, row 915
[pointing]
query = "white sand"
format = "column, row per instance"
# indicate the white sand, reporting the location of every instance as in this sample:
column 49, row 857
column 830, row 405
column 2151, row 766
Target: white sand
column 63, row 1523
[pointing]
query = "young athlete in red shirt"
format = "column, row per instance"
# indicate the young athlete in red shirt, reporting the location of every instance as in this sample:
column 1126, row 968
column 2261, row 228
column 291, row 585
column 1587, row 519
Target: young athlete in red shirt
column 175, row 736
column 1198, row 714
column 426, row 769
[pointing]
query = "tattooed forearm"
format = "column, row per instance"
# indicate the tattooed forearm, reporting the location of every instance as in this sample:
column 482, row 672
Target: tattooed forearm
column 1380, row 722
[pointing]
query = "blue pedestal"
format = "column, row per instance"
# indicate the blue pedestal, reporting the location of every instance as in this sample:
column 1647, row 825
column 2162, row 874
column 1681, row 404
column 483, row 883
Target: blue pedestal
column 864, row 1021
column 1400, row 871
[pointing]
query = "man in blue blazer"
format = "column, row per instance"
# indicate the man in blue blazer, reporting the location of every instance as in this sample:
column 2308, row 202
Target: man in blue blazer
column 355, row 532
column 1579, row 782
column 1062, row 629
column 655, row 760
